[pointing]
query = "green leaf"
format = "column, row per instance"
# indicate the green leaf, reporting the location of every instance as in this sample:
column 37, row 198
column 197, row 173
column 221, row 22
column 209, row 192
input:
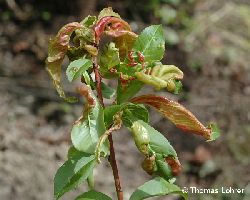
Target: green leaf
column 107, row 92
column 109, row 57
column 215, row 132
column 75, row 170
column 163, row 169
column 109, row 113
column 91, row 180
column 156, row 187
column 134, row 112
column 127, row 71
column 176, row 113
column 178, row 87
column 77, row 68
column 89, row 21
column 57, row 49
column 151, row 43
column 158, row 143
column 72, row 152
column 124, row 93
column 86, row 132
column 93, row 195
column 87, row 78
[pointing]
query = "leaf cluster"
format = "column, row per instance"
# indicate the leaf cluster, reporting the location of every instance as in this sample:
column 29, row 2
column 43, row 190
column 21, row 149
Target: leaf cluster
column 133, row 61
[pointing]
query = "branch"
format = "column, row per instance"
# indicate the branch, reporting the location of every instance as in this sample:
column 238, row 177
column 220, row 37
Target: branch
column 112, row 158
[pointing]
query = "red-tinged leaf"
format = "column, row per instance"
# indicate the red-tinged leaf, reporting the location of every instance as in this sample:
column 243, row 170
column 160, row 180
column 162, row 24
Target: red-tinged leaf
column 112, row 26
column 58, row 47
column 176, row 113
column 174, row 164
column 124, row 42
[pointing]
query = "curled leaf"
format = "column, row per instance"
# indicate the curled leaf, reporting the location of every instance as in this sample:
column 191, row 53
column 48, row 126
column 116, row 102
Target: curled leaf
column 86, row 92
column 124, row 37
column 176, row 113
column 58, row 47
column 89, row 21
column 112, row 26
column 174, row 164
column 162, row 76
column 110, row 56
column 148, row 164
column 141, row 137
column 125, row 43
column 107, row 12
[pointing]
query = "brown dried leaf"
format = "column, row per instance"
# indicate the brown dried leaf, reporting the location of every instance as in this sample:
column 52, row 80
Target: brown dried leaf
column 176, row 113
column 58, row 47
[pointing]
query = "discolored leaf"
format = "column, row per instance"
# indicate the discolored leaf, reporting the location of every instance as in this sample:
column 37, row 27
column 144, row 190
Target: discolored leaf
column 156, row 187
column 75, row 170
column 158, row 143
column 83, row 36
column 149, row 165
column 93, row 195
column 151, row 43
column 176, row 113
column 109, row 57
column 141, row 137
column 161, row 76
column 125, row 43
column 58, row 47
column 112, row 26
column 77, row 68
column 87, row 130
column 107, row 12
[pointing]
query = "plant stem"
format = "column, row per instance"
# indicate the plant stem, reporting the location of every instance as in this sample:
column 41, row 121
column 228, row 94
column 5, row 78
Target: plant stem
column 112, row 158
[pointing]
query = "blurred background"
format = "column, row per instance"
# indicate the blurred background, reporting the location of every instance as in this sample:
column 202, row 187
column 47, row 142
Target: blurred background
column 208, row 40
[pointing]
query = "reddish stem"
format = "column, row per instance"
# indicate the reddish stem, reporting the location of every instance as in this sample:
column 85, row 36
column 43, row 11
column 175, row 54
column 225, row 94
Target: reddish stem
column 112, row 158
